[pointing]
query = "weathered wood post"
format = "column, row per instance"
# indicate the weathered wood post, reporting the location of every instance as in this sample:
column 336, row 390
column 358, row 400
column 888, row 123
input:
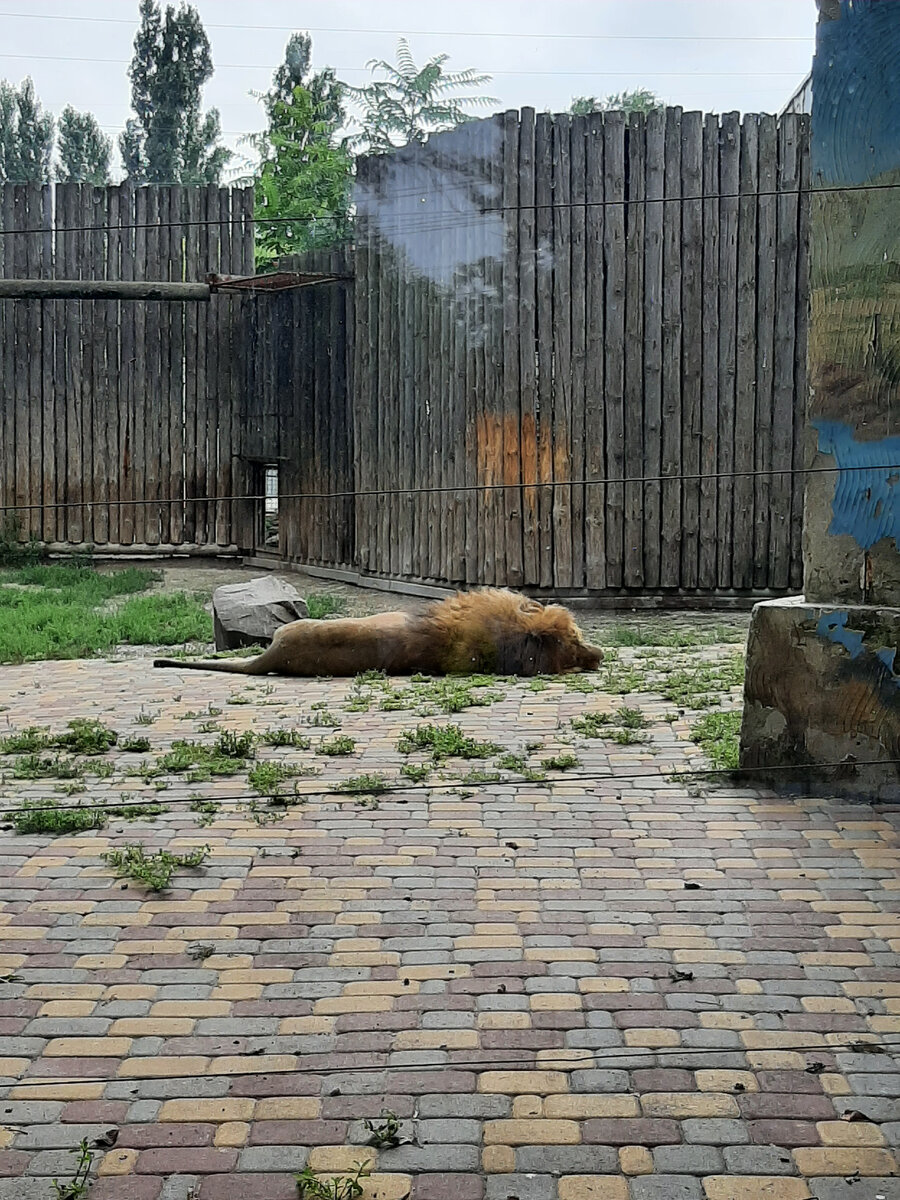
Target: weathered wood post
column 823, row 681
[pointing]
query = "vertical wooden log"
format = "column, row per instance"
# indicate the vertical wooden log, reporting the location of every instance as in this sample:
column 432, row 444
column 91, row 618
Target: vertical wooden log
column 692, row 341
column 543, row 166
column 633, row 424
column 745, row 420
column 729, row 166
column 579, row 343
column 562, row 351
column 501, row 266
column 672, row 488
column 709, row 545
column 653, row 337
column 527, row 330
column 614, row 371
column 766, row 220
column 595, row 375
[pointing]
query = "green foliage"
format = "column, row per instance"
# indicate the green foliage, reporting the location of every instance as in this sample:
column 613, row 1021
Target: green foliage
column 310, row 1186
column 410, row 102
column 236, row 745
column 323, row 604
column 719, row 736
column 561, row 762
column 304, row 183
column 200, row 762
column 269, row 778
column 337, row 746
column 54, row 613
column 386, row 1133
column 592, row 724
column 84, row 149
column 83, row 737
column 417, row 772
column 285, row 737
column 639, row 100
column 444, row 741
column 206, row 809
column 16, row 550
column 135, row 745
column 74, row 1188
column 373, row 784
column 26, row 135
column 53, row 819
column 137, row 812
column 168, row 140
column 153, row 870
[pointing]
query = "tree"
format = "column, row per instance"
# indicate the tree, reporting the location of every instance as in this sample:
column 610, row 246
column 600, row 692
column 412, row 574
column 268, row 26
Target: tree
column 412, row 101
column 304, row 181
column 305, row 168
column 26, row 135
column 84, row 150
column 640, row 100
column 169, row 140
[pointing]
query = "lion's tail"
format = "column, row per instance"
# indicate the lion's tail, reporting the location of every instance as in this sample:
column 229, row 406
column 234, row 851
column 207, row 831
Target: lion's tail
column 233, row 666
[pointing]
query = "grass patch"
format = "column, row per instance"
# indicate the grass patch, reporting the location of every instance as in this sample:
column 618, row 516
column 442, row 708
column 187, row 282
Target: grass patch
column 337, row 746
column 285, row 737
column 592, row 724
column 372, row 784
column 206, row 810
column 718, row 735
column 658, row 635
column 83, row 737
column 311, row 1186
column 33, row 766
column 135, row 745
column 561, row 762
column 703, row 685
column 417, row 772
column 153, row 870
column 269, row 778
column 138, row 812
column 54, row 820
column 324, row 605
column 54, row 611
column 445, row 741
column 199, row 761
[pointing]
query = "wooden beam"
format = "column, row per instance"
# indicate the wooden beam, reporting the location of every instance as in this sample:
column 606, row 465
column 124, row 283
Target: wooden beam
column 101, row 289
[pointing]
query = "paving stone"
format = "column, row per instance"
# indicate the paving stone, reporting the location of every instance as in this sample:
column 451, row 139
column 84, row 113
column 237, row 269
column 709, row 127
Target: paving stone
column 687, row 1160
column 666, row 1187
column 522, row 1187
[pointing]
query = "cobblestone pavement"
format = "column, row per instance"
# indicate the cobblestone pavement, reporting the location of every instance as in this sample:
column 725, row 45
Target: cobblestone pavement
column 627, row 988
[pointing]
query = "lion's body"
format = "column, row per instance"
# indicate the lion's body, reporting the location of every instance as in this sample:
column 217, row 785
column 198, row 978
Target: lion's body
column 489, row 630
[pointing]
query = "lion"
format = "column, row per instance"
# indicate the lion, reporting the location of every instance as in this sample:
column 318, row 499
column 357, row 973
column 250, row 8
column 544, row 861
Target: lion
column 491, row 630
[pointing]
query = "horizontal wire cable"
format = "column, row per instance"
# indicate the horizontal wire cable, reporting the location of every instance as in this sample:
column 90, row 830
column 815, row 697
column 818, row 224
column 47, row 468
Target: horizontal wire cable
column 350, row 494
column 563, row 1062
column 672, row 776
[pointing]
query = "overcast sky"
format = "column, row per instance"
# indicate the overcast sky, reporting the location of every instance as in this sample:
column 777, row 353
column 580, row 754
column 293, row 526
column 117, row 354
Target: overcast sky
column 713, row 55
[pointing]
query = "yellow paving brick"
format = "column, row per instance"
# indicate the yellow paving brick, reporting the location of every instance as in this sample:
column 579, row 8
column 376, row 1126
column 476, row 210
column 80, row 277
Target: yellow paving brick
column 748, row 987
column 242, row 1064
column 133, row 1027
column 776, row 1060
column 834, row 1085
column 612, row 984
column 87, row 1047
column 683, row 1105
column 527, row 1107
column 231, row 1108
column 651, row 1038
column 386, row 1187
column 828, row 1004
column 61, row 1089
column 593, row 1187
column 365, row 958
column 726, row 1081
column 848, row 1160
column 232, row 1133
column 828, row 958
column 498, row 1160
column 555, row 1001
column 67, row 1008
column 729, row 957
column 873, row 988
column 849, row 1133
column 190, row 1008
column 635, row 1160
column 129, row 991
column 884, row 1024
column 518, row 1083
column 163, row 1066
column 101, row 962
column 765, row 1039
column 383, row 987
column 118, row 1162
column 261, row 975
column 236, row 991
column 755, row 1187
column 7, row 1137
column 559, row 953
column 726, row 1020
column 436, row 1039
column 340, row 1158
column 353, row 1004
column 288, row 1108
column 504, row 1020
column 532, row 1133
column 582, row 1107
column 291, row 1025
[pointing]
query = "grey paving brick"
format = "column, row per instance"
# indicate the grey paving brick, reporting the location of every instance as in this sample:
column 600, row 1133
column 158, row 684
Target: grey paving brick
column 180, row 1187
column 715, row 1131
column 273, row 1158
column 875, row 1084
column 523, row 1187
column 687, row 1160
column 454, row 1106
column 143, row 1111
column 600, row 1081
column 23, row 1189
column 58, row 1137
column 430, row 1158
column 666, row 1187
column 29, row 1112
column 759, row 1160
column 447, row 1130
column 567, row 1160
column 167, row 1089
column 867, row 1188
